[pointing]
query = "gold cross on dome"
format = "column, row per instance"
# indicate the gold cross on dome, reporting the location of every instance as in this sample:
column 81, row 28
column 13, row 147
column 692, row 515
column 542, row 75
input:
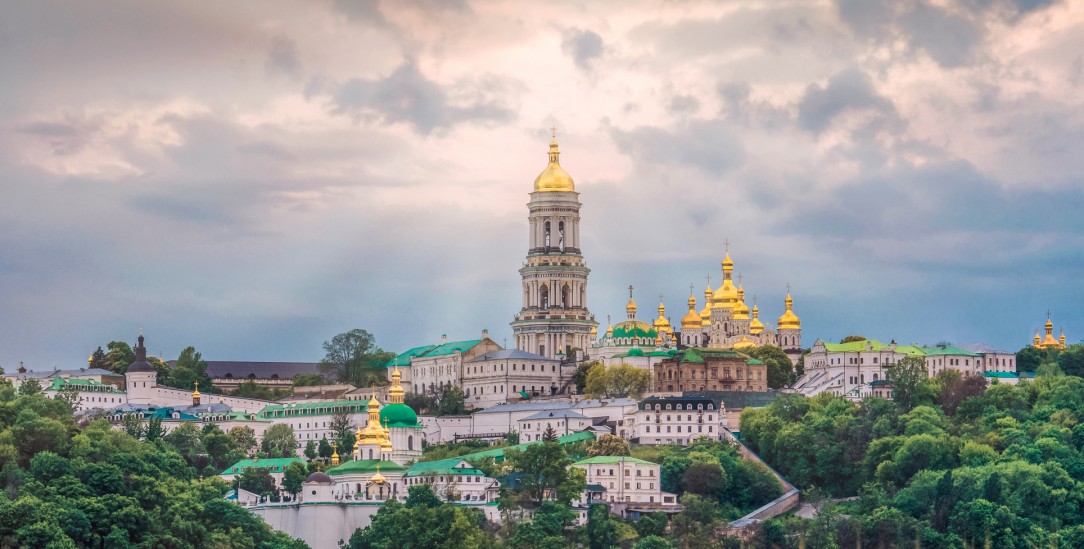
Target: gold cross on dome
column 630, row 291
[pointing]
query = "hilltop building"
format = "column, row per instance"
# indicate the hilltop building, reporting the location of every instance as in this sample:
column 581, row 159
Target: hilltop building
column 554, row 320
column 709, row 370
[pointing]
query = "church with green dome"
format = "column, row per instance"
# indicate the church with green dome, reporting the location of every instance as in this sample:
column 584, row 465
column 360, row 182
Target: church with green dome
column 401, row 421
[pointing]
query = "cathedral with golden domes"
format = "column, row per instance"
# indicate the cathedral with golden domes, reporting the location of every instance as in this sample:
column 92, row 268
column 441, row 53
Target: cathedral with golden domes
column 1049, row 342
column 725, row 322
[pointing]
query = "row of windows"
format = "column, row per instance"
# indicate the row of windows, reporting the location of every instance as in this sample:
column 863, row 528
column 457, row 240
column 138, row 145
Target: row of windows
column 628, row 472
column 699, row 429
column 699, row 407
column 714, row 374
column 658, row 418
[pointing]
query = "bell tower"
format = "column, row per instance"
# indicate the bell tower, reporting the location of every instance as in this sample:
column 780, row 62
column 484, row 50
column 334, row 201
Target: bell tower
column 554, row 318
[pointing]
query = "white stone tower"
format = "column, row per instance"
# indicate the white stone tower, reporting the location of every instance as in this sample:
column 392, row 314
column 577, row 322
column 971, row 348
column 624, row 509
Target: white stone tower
column 140, row 378
column 554, row 320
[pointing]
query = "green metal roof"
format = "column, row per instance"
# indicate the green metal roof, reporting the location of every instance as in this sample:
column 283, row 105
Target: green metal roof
column 311, row 408
column 699, row 355
column 947, row 350
column 634, row 328
column 442, row 467
column 1001, row 375
column 365, row 466
column 873, row 345
column 276, row 465
column 498, row 453
column 610, row 460
column 59, row 383
column 403, row 359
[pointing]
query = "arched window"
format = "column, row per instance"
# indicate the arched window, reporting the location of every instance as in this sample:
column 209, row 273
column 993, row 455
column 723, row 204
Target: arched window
column 547, row 230
column 410, row 442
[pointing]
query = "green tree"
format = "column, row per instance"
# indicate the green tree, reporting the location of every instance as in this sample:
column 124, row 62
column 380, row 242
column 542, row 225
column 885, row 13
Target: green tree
column 325, row 450
column 780, row 368
column 279, row 441
column 421, row 495
column 705, row 479
column 353, row 357
column 452, row 402
column 608, row 445
column 601, row 532
column 579, row 377
column 258, row 481
column 310, row 450
column 310, row 380
column 549, row 435
column 653, row 542
column 69, row 395
column 851, row 338
column 293, row 476
column 617, row 381
column 118, row 357
column 1071, row 360
column 244, row 437
column 341, row 424
column 187, row 370
column 545, row 470
column 652, row 524
column 97, row 359
column 906, row 376
column 420, row 402
column 30, row 387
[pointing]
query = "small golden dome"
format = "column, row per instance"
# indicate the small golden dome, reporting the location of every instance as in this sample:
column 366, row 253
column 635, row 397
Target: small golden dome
column 594, row 331
column 554, row 178
column 377, row 478
column 630, row 308
column 744, row 343
column 661, row 325
column 705, row 314
column 741, row 310
column 756, row 326
column 789, row 320
column 691, row 320
column 610, row 331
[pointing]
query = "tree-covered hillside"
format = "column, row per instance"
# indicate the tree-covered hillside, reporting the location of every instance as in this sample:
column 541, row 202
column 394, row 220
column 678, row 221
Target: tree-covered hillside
column 968, row 465
column 95, row 486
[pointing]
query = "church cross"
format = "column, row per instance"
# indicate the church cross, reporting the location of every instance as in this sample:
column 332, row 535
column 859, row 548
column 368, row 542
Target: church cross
column 553, row 130
column 630, row 291
column 726, row 244
column 788, row 288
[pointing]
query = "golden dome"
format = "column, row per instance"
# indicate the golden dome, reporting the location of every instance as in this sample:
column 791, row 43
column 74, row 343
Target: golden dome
column 1061, row 338
column 691, row 320
column 594, row 331
column 789, row 320
column 756, row 326
column 334, row 454
column 610, row 331
column 658, row 339
column 744, row 343
column 195, row 393
column 741, row 310
column 377, row 478
column 554, row 178
column 630, row 308
column 661, row 324
column 1036, row 340
column 726, row 296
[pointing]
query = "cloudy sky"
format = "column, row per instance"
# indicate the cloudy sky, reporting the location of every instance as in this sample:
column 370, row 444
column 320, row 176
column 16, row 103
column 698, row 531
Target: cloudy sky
column 252, row 178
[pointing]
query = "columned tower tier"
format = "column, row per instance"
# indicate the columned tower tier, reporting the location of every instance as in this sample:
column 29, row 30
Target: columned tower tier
column 554, row 317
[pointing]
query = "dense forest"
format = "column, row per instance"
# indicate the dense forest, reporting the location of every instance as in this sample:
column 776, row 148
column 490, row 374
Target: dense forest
column 955, row 463
column 95, row 486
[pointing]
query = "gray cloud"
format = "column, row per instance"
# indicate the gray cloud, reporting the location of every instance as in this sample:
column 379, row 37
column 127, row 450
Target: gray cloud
column 583, row 45
column 949, row 38
column 709, row 146
column 683, row 104
column 283, row 57
column 846, row 91
column 408, row 96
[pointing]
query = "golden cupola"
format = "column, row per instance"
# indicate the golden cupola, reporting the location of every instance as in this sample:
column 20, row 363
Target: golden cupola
column 630, row 307
column 554, row 178
column 756, row 326
column 609, row 330
column 395, row 392
column 377, row 478
column 662, row 325
column 741, row 310
column 373, row 433
column 1061, row 338
column 691, row 320
column 789, row 320
column 726, row 296
column 705, row 314
column 1036, row 340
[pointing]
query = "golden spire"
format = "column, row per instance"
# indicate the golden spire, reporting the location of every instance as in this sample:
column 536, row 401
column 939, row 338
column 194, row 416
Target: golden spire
column 196, row 395
column 726, row 295
column 554, row 178
column 1036, row 341
column 756, row 326
column 334, row 453
column 374, row 433
column 630, row 308
column 395, row 392
column 1049, row 342
column 609, row 327
column 741, row 310
column 1061, row 339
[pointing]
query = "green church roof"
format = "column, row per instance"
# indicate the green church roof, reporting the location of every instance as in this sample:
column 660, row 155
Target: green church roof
column 610, row 460
column 442, row 467
column 365, row 466
column 274, row 465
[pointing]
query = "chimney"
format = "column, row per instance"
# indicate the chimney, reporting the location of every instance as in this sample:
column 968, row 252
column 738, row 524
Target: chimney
column 485, row 333
column 443, row 339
